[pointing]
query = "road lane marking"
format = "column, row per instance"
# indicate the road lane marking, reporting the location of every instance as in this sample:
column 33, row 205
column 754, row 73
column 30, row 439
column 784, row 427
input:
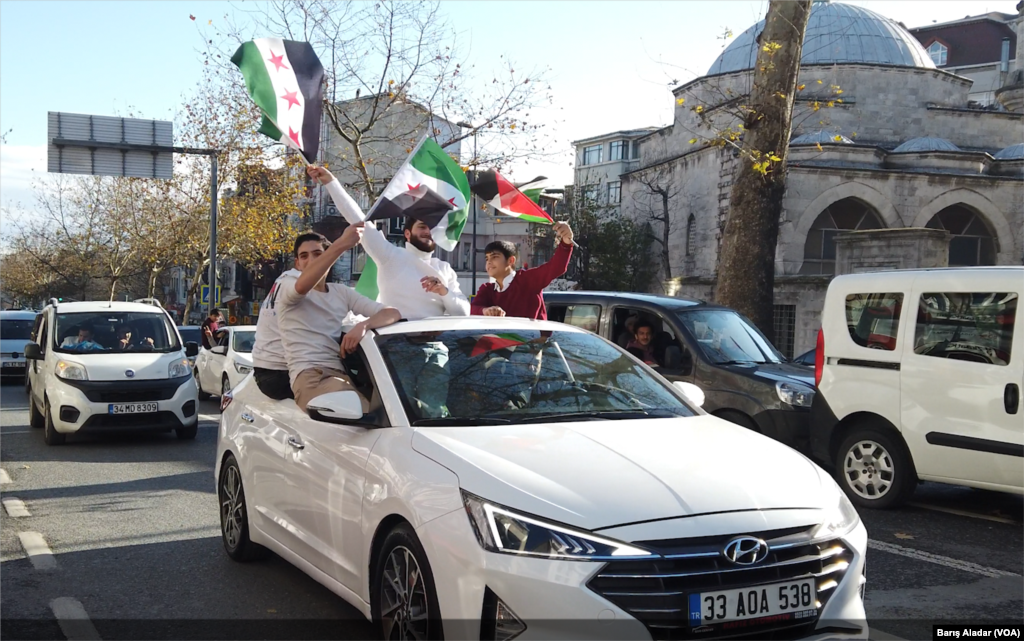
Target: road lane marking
column 973, row 515
column 38, row 551
column 73, row 620
column 878, row 635
column 949, row 562
column 15, row 508
column 4, row 478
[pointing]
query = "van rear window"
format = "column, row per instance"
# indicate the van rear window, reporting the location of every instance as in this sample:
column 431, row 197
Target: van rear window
column 874, row 319
column 974, row 326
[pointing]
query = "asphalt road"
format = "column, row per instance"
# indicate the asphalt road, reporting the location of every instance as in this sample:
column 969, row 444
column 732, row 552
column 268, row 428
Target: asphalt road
column 133, row 528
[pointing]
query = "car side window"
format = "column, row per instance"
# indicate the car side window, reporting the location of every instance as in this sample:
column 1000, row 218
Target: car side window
column 362, row 378
column 556, row 313
column 43, row 335
column 583, row 316
column 974, row 326
column 874, row 319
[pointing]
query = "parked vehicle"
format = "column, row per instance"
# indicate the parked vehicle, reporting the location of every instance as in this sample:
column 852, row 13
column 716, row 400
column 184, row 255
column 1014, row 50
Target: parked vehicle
column 745, row 379
column 191, row 334
column 919, row 375
column 536, row 481
column 15, row 334
column 220, row 369
column 96, row 366
column 806, row 359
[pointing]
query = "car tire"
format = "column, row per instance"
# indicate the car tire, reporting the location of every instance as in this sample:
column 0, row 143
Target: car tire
column 234, row 518
column 187, row 433
column 739, row 418
column 875, row 469
column 35, row 418
column 51, row 435
column 392, row 612
column 225, row 385
column 203, row 396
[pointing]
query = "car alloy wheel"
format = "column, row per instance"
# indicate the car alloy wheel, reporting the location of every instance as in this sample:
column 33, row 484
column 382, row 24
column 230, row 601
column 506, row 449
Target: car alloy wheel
column 234, row 520
column 404, row 608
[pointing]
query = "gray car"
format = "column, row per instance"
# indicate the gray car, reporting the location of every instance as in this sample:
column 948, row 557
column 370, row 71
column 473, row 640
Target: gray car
column 744, row 377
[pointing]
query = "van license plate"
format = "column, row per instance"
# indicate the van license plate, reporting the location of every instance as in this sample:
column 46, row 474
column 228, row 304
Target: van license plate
column 132, row 408
column 796, row 598
column 14, row 364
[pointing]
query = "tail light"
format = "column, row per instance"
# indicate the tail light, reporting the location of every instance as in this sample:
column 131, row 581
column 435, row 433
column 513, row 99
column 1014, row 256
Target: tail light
column 819, row 357
column 225, row 400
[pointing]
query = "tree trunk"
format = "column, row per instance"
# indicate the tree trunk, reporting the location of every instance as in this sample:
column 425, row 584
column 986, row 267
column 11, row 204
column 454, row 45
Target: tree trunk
column 113, row 288
column 746, row 271
column 665, row 229
column 197, row 280
column 154, row 273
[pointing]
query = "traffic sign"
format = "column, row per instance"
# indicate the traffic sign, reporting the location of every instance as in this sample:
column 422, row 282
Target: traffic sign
column 204, row 295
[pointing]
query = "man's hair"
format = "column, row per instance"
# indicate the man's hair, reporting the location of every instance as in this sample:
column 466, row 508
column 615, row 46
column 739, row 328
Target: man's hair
column 505, row 248
column 305, row 238
column 410, row 222
column 216, row 312
column 643, row 323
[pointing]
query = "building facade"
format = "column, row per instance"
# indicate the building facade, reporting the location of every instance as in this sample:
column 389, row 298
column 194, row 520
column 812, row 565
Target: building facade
column 905, row 148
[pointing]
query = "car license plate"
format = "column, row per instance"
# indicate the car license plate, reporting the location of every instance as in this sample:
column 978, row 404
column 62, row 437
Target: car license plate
column 13, row 364
column 712, row 608
column 132, row 408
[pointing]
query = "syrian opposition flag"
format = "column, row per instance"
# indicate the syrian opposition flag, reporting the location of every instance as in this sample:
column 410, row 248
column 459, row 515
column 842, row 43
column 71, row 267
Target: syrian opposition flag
column 285, row 80
column 498, row 192
column 421, row 203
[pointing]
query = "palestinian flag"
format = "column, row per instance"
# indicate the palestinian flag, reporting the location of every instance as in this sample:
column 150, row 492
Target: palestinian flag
column 532, row 189
column 496, row 191
column 285, row 80
column 421, row 203
column 493, row 342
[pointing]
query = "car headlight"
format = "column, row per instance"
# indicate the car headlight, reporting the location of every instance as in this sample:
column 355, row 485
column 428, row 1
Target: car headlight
column 839, row 520
column 242, row 369
column 71, row 371
column 499, row 529
column 796, row 395
column 178, row 369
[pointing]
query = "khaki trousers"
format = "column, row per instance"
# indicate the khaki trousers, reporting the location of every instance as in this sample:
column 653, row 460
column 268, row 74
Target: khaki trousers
column 315, row 381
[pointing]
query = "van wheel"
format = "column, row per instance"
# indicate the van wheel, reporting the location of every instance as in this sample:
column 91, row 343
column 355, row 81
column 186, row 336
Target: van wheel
column 51, row 435
column 875, row 469
column 402, row 595
column 35, row 419
column 203, row 396
column 739, row 418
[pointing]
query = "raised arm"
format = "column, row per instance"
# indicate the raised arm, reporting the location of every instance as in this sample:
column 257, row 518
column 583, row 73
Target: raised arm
column 540, row 277
column 374, row 241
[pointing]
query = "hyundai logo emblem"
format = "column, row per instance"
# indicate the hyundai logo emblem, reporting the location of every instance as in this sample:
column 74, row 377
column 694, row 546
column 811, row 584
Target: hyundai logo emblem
column 745, row 550
column 130, row 373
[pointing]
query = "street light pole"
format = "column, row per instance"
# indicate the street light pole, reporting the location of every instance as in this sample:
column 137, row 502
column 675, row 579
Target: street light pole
column 473, row 258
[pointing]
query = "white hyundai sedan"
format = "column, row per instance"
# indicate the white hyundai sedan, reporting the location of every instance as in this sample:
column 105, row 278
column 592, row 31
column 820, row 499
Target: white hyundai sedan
column 527, row 479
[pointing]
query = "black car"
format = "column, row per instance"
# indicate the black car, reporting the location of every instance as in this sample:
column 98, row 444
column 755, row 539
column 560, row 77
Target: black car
column 806, row 359
column 744, row 378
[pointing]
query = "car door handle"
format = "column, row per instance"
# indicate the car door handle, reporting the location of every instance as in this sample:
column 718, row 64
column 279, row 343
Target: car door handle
column 248, row 418
column 1011, row 398
column 296, row 443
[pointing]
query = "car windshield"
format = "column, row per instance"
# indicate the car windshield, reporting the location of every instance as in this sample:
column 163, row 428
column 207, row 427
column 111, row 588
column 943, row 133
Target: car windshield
column 726, row 337
column 242, row 341
column 478, row 377
column 190, row 334
column 16, row 329
column 112, row 331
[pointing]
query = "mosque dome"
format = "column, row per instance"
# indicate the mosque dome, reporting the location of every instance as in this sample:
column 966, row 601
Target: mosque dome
column 926, row 144
column 836, row 33
column 1013, row 152
column 821, row 137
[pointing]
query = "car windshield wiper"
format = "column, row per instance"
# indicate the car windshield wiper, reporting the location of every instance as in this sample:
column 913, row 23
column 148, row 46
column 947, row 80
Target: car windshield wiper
column 606, row 415
column 460, row 421
column 741, row 362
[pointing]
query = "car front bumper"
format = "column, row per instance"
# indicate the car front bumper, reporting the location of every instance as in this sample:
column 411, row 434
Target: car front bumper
column 553, row 600
column 789, row 426
column 72, row 410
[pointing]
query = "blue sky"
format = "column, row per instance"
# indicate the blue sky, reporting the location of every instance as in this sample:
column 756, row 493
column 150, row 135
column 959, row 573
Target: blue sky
column 104, row 57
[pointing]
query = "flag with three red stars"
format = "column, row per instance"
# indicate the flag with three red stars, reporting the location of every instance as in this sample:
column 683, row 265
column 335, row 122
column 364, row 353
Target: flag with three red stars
column 285, row 80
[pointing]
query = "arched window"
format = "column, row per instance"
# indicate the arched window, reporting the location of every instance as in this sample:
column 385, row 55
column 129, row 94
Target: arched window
column 691, row 235
column 938, row 53
column 848, row 214
column 972, row 243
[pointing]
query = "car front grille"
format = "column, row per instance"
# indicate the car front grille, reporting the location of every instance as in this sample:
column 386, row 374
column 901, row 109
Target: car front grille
column 656, row 592
column 148, row 421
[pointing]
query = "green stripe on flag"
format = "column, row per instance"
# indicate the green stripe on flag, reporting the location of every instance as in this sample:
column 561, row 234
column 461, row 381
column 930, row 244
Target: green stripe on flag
column 431, row 160
column 257, row 81
column 367, row 283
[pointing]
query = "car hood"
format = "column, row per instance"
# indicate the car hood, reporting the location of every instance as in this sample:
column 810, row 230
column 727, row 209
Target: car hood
column 775, row 372
column 145, row 366
column 599, row 474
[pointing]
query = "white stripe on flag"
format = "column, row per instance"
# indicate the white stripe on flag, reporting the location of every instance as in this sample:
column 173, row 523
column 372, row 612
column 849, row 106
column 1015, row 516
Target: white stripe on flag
column 284, row 83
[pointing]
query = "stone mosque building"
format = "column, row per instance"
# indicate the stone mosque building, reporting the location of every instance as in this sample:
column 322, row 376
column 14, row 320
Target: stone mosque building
column 925, row 178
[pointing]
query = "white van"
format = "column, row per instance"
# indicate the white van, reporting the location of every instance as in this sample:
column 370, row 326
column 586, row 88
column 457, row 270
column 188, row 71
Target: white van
column 919, row 377
column 15, row 333
column 96, row 366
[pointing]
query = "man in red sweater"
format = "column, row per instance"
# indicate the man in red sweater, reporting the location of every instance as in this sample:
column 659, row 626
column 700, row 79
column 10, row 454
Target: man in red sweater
column 518, row 293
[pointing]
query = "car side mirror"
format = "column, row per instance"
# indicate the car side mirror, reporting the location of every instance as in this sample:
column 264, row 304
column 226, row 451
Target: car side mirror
column 191, row 349
column 691, row 391
column 33, row 352
column 222, row 350
column 336, row 407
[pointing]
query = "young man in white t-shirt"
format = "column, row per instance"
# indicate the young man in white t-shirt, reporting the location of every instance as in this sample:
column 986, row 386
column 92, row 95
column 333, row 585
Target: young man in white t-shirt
column 311, row 314
column 269, row 363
